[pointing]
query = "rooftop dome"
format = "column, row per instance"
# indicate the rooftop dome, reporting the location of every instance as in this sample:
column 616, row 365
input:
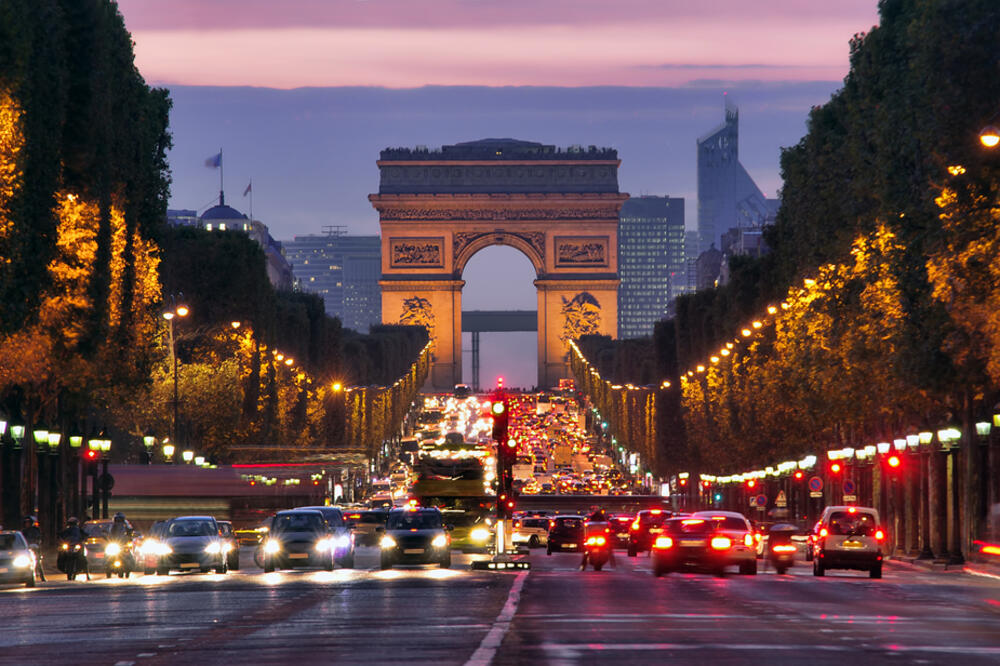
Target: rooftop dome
column 222, row 212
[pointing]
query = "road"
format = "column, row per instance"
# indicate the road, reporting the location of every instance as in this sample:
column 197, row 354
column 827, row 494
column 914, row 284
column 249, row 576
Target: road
column 552, row 614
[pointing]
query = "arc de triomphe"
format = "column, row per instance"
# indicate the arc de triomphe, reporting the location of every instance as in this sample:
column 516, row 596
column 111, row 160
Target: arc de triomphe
column 559, row 207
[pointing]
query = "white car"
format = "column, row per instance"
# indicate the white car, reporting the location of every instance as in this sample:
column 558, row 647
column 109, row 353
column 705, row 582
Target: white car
column 533, row 531
column 848, row 537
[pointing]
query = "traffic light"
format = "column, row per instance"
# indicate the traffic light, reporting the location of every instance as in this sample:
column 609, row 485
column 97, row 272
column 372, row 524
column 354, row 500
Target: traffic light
column 505, row 505
column 799, row 475
column 500, row 419
column 835, row 468
column 751, row 484
column 893, row 462
column 90, row 455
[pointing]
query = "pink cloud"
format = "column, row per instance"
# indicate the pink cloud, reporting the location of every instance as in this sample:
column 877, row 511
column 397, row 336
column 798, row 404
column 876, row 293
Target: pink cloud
column 389, row 43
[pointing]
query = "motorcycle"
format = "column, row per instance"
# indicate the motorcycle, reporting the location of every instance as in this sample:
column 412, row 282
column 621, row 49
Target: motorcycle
column 118, row 559
column 780, row 549
column 596, row 551
column 72, row 559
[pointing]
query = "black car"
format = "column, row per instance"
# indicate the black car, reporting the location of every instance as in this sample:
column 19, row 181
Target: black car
column 298, row 538
column 565, row 534
column 192, row 542
column 415, row 536
column 648, row 525
column 343, row 535
column 366, row 526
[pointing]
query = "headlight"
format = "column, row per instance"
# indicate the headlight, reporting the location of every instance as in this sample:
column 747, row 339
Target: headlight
column 387, row 542
column 343, row 541
column 22, row 561
column 271, row 546
column 479, row 534
column 324, row 545
column 440, row 541
column 162, row 549
column 213, row 548
column 112, row 549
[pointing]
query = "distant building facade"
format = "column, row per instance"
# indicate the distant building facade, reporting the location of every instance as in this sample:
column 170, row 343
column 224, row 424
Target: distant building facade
column 652, row 262
column 728, row 198
column 344, row 270
column 223, row 218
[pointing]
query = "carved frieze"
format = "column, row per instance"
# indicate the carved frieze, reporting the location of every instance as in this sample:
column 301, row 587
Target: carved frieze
column 581, row 316
column 417, row 252
column 390, row 213
column 581, row 251
column 417, row 311
column 534, row 239
column 400, row 178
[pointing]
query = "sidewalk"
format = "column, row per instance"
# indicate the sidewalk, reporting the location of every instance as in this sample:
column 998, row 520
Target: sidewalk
column 988, row 569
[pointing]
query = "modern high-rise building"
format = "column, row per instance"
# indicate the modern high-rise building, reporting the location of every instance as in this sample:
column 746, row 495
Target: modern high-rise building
column 344, row 270
column 692, row 250
column 727, row 196
column 652, row 262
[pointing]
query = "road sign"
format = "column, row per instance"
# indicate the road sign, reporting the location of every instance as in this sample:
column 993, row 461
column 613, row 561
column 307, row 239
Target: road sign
column 849, row 487
column 781, row 500
column 815, row 493
column 761, row 500
column 106, row 482
column 815, row 484
column 850, row 498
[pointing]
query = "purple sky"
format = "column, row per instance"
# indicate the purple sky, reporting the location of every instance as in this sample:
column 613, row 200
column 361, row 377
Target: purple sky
column 302, row 95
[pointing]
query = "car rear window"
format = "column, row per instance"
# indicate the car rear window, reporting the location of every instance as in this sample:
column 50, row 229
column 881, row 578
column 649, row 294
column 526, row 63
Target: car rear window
column 371, row 519
column 652, row 518
column 853, row 524
column 569, row 523
column 536, row 522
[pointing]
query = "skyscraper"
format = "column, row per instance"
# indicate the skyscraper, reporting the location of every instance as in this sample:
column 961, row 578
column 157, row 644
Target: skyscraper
column 727, row 196
column 652, row 263
column 344, row 270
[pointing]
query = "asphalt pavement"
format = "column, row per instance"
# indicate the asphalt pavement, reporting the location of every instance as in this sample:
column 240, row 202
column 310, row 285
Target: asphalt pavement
column 553, row 614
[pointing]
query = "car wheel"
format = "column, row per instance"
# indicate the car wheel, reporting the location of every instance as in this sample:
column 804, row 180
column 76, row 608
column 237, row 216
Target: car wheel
column 268, row 565
column 598, row 566
column 234, row 561
column 385, row 563
column 781, row 570
column 348, row 561
column 446, row 561
column 108, row 573
column 328, row 563
column 749, row 569
column 720, row 572
column 631, row 550
column 876, row 571
column 818, row 568
column 809, row 555
column 30, row 582
column 660, row 570
column 533, row 541
column 162, row 571
column 222, row 568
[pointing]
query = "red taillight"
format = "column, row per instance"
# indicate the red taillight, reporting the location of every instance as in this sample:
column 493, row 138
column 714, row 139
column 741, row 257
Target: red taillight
column 879, row 535
column 663, row 542
column 656, row 512
column 596, row 541
column 823, row 532
column 784, row 549
column 748, row 539
column 635, row 525
column 721, row 543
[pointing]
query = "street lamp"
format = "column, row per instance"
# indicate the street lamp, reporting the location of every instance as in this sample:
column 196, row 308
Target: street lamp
column 989, row 136
column 170, row 315
column 188, row 455
column 168, row 452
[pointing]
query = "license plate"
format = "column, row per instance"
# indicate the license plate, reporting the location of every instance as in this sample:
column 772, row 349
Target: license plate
column 190, row 565
column 622, row 535
column 690, row 542
column 99, row 555
column 570, row 545
column 655, row 530
column 413, row 551
column 850, row 543
column 4, row 569
column 298, row 556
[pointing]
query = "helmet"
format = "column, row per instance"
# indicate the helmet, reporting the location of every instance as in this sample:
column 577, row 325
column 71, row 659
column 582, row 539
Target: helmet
column 119, row 517
column 30, row 520
column 72, row 521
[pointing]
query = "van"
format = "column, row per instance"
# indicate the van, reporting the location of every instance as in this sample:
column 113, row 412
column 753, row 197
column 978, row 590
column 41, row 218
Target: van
column 848, row 537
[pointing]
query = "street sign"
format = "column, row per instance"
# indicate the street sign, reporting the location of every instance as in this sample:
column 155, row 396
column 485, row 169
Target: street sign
column 815, row 493
column 106, row 482
column 761, row 500
column 850, row 498
column 849, row 487
column 815, row 485
column 781, row 500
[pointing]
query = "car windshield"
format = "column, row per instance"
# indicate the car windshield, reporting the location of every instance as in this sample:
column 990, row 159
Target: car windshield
column 414, row 520
column 191, row 528
column 97, row 529
column 297, row 522
column 461, row 519
column 689, row 526
column 371, row 518
column 9, row 542
column 853, row 524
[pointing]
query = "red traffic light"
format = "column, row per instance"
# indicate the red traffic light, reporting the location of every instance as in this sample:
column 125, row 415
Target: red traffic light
column 799, row 475
column 751, row 483
column 91, row 454
column 835, row 468
column 683, row 482
column 894, row 461
column 706, row 484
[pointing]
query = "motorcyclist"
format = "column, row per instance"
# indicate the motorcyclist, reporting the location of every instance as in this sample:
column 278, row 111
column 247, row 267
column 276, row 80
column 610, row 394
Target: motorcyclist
column 33, row 536
column 601, row 517
column 120, row 530
column 73, row 534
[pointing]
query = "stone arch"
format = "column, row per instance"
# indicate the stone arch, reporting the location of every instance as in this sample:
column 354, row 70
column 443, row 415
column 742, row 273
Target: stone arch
column 530, row 244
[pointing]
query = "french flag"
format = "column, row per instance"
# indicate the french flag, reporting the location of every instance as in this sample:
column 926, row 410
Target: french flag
column 214, row 162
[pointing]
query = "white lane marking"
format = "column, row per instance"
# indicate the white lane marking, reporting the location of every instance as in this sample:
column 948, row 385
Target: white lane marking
column 574, row 650
column 124, row 663
column 978, row 572
column 491, row 642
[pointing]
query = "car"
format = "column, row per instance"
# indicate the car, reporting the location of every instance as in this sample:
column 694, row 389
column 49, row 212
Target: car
column 152, row 547
column 470, row 532
column 848, row 537
column 565, row 534
column 229, row 537
column 648, row 525
column 296, row 538
column 191, row 542
column 707, row 541
column 619, row 526
column 365, row 525
column 343, row 535
column 17, row 561
column 415, row 536
column 532, row 530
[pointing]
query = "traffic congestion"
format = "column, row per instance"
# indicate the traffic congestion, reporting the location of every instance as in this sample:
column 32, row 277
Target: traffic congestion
column 568, row 494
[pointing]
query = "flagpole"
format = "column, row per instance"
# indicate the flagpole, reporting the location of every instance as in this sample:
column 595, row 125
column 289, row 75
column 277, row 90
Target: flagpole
column 251, row 203
column 222, row 189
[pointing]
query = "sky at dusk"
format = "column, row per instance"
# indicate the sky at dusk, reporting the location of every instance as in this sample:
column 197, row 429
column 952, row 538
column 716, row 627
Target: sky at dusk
column 301, row 95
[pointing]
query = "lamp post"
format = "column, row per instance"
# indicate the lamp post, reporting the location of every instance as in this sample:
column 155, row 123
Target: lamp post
column 171, row 314
column 168, row 452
